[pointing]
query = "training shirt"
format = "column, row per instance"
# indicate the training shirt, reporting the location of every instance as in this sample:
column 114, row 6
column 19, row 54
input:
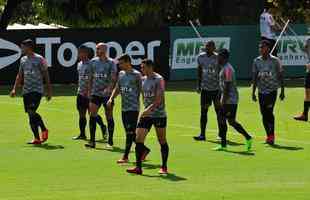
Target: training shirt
column 227, row 75
column 210, row 71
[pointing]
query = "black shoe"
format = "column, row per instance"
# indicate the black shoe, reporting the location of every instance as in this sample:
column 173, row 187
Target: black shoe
column 200, row 138
column 110, row 142
column 79, row 137
column 91, row 145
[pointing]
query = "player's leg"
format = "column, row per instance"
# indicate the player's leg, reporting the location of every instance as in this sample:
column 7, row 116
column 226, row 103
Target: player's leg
column 129, row 122
column 271, row 100
column 304, row 115
column 30, row 110
column 222, row 130
column 217, row 108
column 110, row 120
column 94, row 106
column 231, row 117
column 160, row 127
column 143, row 127
column 102, row 127
column 205, row 102
column 82, row 107
column 264, row 113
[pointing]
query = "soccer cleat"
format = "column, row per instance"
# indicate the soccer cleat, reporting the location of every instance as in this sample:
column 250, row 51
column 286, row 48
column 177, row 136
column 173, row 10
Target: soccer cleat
column 108, row 146
column 248, row 144
column 301, row 117
column 35, row 142
column 135, row 170
column 220, row 148
column 200, row 138
column 144, row 155
column 44, row 136
column 91, row 145
column 163, row 170
column 123, row 161
column 270, row 139
column 79, row 137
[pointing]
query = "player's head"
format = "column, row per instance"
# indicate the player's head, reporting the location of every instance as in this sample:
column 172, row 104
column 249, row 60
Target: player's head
column 27, row 46
column 147, row 67
column 223, row 56
column 210, row 47
column 268, row 5
column 83, row 52
column 101, row 49
column 264, row 47
column 124, row 62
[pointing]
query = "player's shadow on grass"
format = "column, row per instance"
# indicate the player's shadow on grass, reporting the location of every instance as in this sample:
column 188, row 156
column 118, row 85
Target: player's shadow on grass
column 288, row 148
column 169, row 177
column 114, row 149
column 48, row 146
column 231, row 143
column 243, row 153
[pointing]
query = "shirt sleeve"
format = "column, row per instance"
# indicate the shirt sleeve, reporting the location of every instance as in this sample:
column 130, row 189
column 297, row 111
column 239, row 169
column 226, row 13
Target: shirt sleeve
column 43, row 64
column 21, row 68
column 114, row 71
column 254, row 67
column 160, row 88
column 279, row 66
column 228, row 75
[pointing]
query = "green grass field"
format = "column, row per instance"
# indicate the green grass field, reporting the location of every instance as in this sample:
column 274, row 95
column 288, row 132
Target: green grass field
column 64, row 170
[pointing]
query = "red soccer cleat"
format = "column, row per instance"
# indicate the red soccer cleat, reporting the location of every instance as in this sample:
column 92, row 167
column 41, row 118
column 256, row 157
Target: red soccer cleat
column 163, row 170
column 123, row 161
column 44, row 136
column 35, row 142
column 301, row 117
column 144, row 155
column 135, row 170
column 270, row 139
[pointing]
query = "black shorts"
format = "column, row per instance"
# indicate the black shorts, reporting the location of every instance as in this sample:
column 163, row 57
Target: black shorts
column 307, row 80
column 229, row 111
column 32, row 101
column 82, row 102
column 130, row 120
column 207, row 97
column 148, row 122
column 267, row 100
column 99, row 100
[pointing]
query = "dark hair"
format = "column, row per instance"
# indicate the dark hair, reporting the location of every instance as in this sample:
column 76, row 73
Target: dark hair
column 125, row 57
column 83, row 47
column 266, row 43
column 268, row 5
column 28, row 43
column 211, row 42
column 148, row 63
column 224, row 53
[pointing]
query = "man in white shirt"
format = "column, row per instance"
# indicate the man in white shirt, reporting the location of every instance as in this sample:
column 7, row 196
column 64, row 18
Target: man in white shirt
column 268, row 27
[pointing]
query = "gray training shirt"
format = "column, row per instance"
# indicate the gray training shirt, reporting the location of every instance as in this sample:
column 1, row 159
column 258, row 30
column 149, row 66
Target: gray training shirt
column 83, row 69
column 152, row 86
column 228, row 75
column 210, row 71
column 268, row 73
column 129, row 84
column 103, row 73
column 32, row 67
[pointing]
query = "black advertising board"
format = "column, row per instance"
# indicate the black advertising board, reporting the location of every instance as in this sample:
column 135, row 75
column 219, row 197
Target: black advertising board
column 59, row 47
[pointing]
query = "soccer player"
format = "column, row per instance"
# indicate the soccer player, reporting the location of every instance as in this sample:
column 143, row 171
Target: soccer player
column 129, row 86
column 229, row 102
column 32, row 71
column 82, row 100
column 268, row 77
column 208, row 86
column 268, row 27
column 304, row 115
column 103, row 75
column 153, row 90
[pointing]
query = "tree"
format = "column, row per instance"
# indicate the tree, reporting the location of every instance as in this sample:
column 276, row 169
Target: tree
column 7, row 13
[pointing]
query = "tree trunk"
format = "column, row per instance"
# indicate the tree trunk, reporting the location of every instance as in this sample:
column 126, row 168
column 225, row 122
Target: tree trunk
column 210, row 13
column 7, row 14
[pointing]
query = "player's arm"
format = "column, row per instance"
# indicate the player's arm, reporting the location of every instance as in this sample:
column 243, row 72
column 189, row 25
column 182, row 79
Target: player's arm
column 115, row 93
column 46, row 78
column 114, row 75
column 199, row 77
column 280, row 72
column 273, row 24
column 254, row 82
column 227, row 85
column 159, row 95
column 17, row 83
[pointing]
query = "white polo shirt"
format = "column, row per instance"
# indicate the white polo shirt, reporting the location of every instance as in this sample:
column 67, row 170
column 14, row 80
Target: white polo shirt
column 266, row 23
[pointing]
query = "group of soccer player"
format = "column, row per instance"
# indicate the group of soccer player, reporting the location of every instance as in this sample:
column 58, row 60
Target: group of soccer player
column 99, row 83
